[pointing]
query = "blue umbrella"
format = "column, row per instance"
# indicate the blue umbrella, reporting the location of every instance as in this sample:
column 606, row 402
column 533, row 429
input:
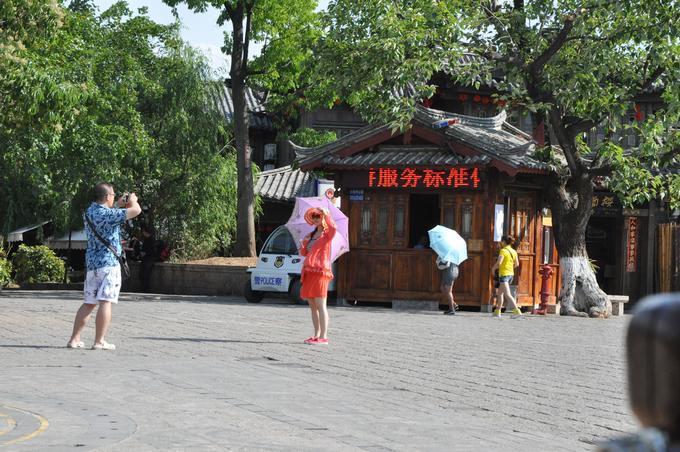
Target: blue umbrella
column 448, row 244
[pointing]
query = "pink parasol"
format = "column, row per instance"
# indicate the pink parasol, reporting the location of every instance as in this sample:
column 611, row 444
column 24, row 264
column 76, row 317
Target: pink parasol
column 299, row 228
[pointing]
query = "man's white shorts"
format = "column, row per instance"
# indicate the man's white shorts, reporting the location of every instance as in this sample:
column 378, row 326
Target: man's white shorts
column 102, row 284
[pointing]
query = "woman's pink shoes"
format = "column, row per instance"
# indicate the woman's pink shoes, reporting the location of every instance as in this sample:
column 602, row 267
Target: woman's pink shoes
column 316, row 341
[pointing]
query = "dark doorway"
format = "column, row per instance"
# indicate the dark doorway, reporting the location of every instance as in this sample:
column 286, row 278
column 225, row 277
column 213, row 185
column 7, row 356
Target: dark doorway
column 601, row 240
column 424, row 215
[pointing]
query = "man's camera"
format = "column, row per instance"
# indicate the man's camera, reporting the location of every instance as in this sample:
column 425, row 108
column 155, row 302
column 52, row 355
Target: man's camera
column 126, row 198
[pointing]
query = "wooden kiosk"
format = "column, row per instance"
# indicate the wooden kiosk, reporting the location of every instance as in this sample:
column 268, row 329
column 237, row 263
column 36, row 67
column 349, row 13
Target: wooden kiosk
column 459, row 171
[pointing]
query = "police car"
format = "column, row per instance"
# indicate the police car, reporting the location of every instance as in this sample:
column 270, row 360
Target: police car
column 278, row 268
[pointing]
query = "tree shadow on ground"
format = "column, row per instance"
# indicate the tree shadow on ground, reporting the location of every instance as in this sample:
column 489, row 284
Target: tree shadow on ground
column 200, row 340
column 31, row 346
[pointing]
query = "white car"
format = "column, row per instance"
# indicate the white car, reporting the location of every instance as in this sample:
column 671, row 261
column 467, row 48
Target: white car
column 278, row 268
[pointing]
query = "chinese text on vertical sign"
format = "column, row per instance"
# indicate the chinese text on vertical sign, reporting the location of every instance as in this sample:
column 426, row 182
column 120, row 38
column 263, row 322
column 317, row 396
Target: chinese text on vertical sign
column 632, row 245
column 457, row 177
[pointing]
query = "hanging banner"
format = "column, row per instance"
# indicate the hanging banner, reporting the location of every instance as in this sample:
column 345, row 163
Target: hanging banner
column 632, row 245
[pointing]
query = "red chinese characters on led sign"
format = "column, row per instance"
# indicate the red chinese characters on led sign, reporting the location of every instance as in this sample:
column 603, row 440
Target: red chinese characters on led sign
column 457, row 177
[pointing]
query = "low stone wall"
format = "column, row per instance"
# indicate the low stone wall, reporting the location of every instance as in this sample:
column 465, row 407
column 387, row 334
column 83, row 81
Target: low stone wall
column 191, row 279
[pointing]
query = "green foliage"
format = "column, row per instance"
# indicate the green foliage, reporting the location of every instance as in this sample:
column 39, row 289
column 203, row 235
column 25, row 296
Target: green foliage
column 37, row 264
column 375, row 51
column 114, row 97
column 576, row 64
column 311, row 138
column 189, row 186
column 285, row 29
column 5, row 268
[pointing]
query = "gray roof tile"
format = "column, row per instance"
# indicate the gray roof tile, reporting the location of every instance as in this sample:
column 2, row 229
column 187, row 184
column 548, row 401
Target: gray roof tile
column 494, row 138
column 402, row 156
column 285, row 183
column 225, row 104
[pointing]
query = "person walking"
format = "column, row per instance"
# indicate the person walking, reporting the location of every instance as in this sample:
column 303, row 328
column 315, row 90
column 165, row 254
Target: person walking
column 505, row 264
column 103, row 279
column 449, row 274
column 495, row 300
column 316, row 271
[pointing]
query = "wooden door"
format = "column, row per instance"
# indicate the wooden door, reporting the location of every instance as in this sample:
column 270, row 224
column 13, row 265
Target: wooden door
column 465, row 214
column 522, row 226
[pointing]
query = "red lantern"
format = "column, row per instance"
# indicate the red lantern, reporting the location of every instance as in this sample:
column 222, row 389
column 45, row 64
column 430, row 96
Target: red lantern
column 485, row 100
column 477, row 98
column 462, row 97
column 639, row 116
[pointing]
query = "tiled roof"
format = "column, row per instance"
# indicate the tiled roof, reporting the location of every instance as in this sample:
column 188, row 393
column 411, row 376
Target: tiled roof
column 493, row 138
column 257, row 118
column 402, row 156
column 308, row 155
column 285, row 183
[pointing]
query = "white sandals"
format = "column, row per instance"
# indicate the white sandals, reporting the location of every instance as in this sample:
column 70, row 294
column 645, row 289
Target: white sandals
column 103, row 346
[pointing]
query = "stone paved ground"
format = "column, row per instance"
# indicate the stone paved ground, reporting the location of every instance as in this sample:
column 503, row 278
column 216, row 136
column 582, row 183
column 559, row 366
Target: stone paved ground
column 205, row 373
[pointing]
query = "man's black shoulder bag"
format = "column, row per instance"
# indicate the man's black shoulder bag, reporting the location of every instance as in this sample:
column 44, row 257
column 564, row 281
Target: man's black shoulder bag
column 122, row 260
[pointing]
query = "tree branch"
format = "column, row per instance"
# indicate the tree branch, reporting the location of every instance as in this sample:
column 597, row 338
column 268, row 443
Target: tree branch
column 490, row 12
column 229, row 8
column 495, row 56
column 580, row 127
column 246, row 39
column 652, row 78
column 602, row 170
column 667, row 157
column 597, row 38
column 555, row 46
column 574, row 162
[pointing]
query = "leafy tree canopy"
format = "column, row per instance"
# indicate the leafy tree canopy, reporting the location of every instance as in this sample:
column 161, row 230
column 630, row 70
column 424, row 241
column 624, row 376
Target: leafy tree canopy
column 577, row 63
column 311, row 138
column 112, row 96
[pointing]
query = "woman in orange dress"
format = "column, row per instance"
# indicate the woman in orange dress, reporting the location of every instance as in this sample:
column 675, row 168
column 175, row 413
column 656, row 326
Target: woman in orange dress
column 316, row 271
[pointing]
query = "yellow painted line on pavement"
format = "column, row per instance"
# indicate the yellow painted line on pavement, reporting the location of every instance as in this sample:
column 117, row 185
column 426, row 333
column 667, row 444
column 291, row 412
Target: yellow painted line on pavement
column 43, row 426
column 11, row 423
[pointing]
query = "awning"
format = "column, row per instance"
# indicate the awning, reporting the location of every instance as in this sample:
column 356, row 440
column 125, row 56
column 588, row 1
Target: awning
column 78, row 241
column 18, row 235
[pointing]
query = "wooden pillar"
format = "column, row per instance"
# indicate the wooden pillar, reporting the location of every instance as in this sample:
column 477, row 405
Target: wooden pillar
column 489, row 218
column 647, row 280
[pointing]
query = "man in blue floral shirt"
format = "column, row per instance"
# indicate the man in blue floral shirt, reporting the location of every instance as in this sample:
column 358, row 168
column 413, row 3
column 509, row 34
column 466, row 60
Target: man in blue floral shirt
column 103, row 280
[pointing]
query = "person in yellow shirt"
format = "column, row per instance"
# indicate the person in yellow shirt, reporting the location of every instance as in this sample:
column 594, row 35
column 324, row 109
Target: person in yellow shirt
column 505, row 264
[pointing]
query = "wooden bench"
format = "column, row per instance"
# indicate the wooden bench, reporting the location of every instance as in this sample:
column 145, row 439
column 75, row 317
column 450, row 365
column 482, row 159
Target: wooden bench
column 618, row 301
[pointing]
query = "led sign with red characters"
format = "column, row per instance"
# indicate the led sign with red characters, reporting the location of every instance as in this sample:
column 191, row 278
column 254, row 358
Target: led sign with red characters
column 461, row 177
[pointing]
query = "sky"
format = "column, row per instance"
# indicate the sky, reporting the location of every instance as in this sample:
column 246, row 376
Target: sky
column 198, row 29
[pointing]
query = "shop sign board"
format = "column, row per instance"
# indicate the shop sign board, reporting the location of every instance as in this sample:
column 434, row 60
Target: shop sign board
column 606, row 204
column 457, row 178
column 356, row 194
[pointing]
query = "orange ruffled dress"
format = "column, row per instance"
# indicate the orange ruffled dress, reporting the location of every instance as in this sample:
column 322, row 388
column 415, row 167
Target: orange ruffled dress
column 316, row 270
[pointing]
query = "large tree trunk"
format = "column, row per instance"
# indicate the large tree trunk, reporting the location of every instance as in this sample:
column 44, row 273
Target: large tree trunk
column 580, row 294
column 245, row 219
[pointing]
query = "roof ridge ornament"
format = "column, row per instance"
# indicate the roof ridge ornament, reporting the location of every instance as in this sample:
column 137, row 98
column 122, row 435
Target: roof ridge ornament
column 438, row 116
column 445, row 123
